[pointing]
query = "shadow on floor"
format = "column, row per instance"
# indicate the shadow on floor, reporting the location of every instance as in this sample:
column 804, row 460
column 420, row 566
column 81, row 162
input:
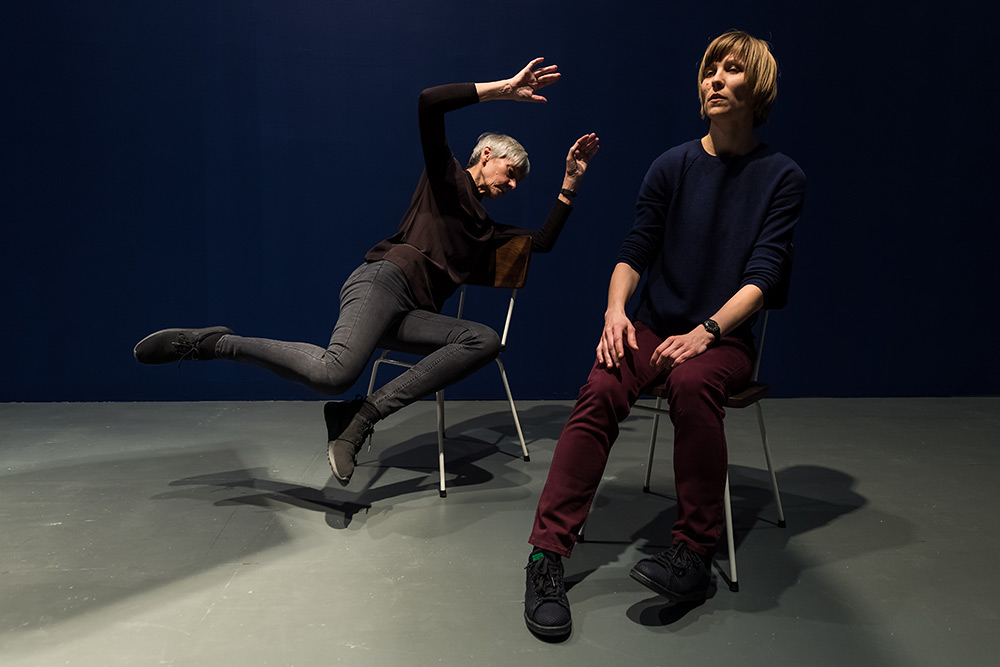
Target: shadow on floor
column 84, row 535
column 624, row 516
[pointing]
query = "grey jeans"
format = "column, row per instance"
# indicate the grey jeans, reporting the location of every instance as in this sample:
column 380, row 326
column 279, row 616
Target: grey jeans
column 377, row 309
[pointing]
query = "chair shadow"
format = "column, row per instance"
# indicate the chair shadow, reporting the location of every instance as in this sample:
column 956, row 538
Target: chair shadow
column 471, row 461
column 625, row 518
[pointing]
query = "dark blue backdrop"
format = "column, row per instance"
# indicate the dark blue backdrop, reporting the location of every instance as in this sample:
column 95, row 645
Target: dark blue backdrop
column 190, row 163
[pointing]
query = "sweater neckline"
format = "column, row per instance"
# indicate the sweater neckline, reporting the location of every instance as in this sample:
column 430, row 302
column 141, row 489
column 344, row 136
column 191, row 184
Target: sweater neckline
column 729, row 159
column 472, row 183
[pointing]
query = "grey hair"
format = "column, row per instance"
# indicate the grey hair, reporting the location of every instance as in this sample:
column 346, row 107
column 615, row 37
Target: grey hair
column 502, row 146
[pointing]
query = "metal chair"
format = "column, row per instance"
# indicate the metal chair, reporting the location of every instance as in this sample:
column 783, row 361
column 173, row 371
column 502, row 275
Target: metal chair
column 508, row 268
column 749, row 396
column 752, row 395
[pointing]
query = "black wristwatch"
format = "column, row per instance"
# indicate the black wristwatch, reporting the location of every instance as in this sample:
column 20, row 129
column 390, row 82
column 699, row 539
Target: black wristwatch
column 712, row 327
column 568, row 194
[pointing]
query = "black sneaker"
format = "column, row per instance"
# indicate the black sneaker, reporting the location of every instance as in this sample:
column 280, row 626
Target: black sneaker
column 169, row 345
column 338, row 416
column 678, row 574
column 546, row 608
column 342, row 450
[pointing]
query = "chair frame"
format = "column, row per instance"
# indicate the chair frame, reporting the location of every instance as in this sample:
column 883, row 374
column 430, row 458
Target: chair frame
column 508, row 268
column 752, row 395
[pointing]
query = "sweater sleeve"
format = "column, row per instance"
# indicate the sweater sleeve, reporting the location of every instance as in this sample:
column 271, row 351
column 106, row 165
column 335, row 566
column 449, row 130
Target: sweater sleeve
column 767, row 259
column 432, row 105
column 544, row 239
column 645, row 238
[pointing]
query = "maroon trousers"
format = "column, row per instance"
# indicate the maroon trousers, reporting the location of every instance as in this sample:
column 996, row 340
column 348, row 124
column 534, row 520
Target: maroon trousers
column 697, row 392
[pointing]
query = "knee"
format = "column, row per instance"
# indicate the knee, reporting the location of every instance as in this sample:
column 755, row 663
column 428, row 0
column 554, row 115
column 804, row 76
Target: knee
column 480, row 338
column 332, row 376
column 686, row 386
column 330, row 384
column 604, row 389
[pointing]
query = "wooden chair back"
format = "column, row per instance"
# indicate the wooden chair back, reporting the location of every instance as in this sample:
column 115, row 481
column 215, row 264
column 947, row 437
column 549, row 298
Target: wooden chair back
column 508, row 266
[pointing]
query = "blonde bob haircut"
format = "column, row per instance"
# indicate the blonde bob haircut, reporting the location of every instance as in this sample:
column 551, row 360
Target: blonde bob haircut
column 760, row 69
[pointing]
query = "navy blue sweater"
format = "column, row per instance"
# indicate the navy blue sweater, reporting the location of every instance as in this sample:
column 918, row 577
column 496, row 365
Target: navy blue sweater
column 706, row 226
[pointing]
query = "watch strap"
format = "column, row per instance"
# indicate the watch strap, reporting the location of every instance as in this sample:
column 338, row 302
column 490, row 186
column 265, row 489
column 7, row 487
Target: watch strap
column 712, row 327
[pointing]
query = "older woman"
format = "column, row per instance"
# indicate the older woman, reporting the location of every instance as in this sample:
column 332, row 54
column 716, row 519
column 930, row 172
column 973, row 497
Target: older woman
column 395, row 296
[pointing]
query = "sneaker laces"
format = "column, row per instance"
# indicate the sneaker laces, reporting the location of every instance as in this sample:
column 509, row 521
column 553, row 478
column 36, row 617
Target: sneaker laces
column 366, row 432
column 679, row 558
column 186, row 348
column 547, row 579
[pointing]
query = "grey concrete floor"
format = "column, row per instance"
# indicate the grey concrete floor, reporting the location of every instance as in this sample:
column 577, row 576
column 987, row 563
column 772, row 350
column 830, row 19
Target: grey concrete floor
column 213, row 533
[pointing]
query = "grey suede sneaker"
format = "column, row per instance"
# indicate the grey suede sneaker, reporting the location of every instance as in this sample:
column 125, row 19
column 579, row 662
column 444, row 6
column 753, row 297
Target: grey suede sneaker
column 347, row 431
column 169, row 345
column 338, row 416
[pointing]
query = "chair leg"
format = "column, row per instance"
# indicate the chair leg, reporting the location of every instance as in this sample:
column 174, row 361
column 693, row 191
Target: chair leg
column 513, row 411
column 770, row 466
column 652, row 445
column 371, row 382
column 733, row 583
column 371, row 388
column 440, row 422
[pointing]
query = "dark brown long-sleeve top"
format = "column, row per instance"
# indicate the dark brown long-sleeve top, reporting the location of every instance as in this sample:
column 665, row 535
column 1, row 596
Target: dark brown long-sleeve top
column 446, row 234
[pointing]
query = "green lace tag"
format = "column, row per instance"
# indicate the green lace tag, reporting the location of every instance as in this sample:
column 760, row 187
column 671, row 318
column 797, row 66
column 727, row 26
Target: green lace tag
column 537, row 557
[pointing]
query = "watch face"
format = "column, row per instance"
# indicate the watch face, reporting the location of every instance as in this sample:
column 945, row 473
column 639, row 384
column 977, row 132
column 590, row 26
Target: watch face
column 711, row 327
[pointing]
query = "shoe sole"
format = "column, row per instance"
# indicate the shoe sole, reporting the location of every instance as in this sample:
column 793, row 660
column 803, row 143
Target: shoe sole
column 329, row 414
column 344, row 481
column 548, row 630
column 654, row 586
